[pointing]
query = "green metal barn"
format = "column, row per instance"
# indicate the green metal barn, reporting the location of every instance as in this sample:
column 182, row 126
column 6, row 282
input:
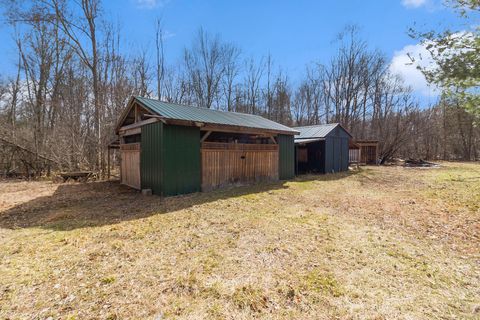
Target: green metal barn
column 174, row 149
column 322, row 149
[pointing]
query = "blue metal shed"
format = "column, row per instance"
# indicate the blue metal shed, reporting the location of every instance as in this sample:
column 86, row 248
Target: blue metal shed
column 321, row 149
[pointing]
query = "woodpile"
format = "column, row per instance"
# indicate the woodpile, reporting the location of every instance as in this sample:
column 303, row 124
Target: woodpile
column 419, row 163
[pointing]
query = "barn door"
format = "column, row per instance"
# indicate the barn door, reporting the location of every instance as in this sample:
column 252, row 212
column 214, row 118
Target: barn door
column 130, row 167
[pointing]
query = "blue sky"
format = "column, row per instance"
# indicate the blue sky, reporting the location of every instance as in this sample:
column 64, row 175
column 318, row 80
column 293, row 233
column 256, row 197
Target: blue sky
column 294, row 32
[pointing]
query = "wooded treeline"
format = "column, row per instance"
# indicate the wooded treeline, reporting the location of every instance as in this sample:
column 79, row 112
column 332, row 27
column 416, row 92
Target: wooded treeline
column 73, row 79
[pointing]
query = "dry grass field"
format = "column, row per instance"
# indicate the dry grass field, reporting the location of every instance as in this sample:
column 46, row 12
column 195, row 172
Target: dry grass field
column 378, row 243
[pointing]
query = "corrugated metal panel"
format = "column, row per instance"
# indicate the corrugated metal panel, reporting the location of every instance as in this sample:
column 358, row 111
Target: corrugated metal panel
column 170, row 159
column 181, row 160
column 151, row 162
column 336, row 154
column 329, row 149
column 286, row 157
column 345, row 157
column 320, row 131
column 181, row 112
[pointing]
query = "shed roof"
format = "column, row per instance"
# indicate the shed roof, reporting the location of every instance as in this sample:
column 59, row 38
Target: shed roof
column 197, row 114
column 316, row 132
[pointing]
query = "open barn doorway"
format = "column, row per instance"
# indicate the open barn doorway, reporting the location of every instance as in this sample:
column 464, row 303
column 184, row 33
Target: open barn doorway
column 310, row 157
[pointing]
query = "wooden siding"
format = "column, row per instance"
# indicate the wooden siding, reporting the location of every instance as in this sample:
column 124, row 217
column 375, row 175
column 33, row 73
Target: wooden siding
column 354, row 155
column 369, row 154
column 227, row 163
column 130, row 164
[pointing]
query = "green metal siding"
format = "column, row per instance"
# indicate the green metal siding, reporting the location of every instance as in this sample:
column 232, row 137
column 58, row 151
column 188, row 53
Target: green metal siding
column 170, row 159
column 151, row 163
column 181, row 160
column 286, row 157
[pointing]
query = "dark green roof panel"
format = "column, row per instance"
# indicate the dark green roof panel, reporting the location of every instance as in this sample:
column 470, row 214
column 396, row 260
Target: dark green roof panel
column 188, row 113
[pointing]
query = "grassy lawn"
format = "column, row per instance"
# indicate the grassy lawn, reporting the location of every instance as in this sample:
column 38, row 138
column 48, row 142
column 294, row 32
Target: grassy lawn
column 378, row 243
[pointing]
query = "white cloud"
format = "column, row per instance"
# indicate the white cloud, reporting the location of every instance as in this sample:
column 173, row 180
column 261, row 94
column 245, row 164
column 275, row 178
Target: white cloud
column 150, row 4
column 403, row 66
column 414, row 3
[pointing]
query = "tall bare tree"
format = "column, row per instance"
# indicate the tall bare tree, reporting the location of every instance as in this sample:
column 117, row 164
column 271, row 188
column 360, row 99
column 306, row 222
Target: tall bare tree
column 205, row 63
column 160, row 56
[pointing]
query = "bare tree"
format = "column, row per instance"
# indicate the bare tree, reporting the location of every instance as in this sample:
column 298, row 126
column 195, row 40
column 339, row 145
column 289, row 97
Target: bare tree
column 142, row 76
column 160, row 55
column 205, row 63
column 253, row 76
column 74, row 79
column 232, row 70
column 78, row 29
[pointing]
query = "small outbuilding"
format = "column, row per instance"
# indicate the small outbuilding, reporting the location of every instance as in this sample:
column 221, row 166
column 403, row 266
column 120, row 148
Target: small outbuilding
column 368, row 151
column 322, row 149
column 176, row 149
column 363, row 152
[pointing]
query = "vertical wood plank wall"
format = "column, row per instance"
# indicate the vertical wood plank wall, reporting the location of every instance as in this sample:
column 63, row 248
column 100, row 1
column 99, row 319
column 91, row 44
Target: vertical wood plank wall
column 354, row 155
column 369, row 154
column 130, row 164
column 226, row 163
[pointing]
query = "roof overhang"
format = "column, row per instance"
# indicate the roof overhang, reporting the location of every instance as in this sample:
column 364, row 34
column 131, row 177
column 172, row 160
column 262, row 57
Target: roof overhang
column 366, row 142
column 124, row 114
column 353, row 145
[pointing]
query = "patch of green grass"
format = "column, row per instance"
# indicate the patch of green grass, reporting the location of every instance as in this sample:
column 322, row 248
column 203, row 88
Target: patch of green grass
column 303, row 183
column 414, row 265
column 459, row 188
column 320, row 282
column 108, row 280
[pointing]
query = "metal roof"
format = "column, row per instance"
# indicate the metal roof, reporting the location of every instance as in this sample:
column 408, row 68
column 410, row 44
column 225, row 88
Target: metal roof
column 317, row 131
column 198, row 114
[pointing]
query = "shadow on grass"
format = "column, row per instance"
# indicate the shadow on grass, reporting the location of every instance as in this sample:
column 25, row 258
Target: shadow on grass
column 80, row 205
